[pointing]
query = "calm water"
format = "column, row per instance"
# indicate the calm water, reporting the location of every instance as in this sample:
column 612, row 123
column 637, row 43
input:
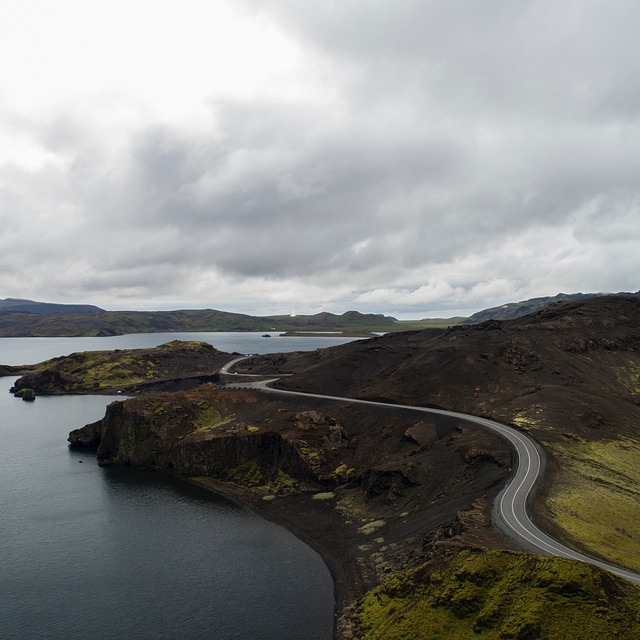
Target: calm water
column 30, row 350
column 90, row 552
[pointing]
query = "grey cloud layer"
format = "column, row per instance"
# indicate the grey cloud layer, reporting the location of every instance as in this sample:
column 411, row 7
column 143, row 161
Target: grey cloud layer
column 471, row 153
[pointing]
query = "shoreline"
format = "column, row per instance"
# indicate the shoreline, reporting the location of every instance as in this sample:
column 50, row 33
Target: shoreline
column 412, row 520
column 333, row 565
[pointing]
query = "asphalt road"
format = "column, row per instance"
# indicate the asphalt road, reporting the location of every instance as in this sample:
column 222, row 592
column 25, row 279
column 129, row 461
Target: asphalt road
column 225, row 370
column 510, row 510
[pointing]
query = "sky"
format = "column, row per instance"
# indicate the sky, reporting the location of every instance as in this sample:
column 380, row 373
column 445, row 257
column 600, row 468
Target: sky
column 415, row 158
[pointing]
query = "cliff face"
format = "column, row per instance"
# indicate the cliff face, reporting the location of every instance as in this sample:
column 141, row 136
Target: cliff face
column 199, row 434
column 238, row 436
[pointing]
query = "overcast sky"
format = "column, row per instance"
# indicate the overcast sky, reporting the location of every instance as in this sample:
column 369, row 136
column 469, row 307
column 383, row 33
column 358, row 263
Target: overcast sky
column 411, row 158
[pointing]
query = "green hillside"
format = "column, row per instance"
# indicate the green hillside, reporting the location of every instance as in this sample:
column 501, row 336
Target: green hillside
column 46, row 321
column 500, row 595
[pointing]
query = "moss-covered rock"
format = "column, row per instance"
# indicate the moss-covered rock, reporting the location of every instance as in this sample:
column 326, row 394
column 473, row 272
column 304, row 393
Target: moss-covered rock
column 200, row 434
column 123, row 370
column 498, row 596
column 594, row 496
column 27, row 394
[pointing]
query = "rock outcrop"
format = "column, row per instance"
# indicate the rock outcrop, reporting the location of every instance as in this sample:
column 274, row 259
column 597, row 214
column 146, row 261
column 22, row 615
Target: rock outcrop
column 174, row 365
column 205, row 433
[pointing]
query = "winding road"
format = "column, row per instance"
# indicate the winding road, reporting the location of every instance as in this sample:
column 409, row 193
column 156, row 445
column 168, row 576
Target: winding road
column 510, row 509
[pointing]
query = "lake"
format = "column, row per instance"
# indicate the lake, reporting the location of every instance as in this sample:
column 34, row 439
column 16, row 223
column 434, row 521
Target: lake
column 92, row 552
column 30, row 350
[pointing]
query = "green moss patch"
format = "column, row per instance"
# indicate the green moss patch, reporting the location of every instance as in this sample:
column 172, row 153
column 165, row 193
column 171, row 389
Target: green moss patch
column 324, row 495
column 208, row 418
column 596, row 494
column 342, row 473
column 500, row 595
column 252, row 475
column 312, row 456
column 372, row 526
column 248, row 474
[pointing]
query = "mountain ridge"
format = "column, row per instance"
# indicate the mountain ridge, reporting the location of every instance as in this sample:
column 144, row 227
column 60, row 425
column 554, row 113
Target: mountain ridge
column 512, row 310
column 23, row 305
column 23, row 318
column 45, row 319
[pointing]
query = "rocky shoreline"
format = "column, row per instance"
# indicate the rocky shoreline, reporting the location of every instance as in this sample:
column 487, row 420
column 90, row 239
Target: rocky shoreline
column 319, row 471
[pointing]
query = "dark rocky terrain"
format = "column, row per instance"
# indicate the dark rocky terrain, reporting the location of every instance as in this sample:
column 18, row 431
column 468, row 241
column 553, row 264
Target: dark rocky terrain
column 570, row 374
column 578, row 360
column 382, row 492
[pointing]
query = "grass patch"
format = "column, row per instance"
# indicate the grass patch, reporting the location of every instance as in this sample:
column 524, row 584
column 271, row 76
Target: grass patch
column 428, row 323
column 596, row 495
column 208, row 418
column 326, row 495
column 372, row 526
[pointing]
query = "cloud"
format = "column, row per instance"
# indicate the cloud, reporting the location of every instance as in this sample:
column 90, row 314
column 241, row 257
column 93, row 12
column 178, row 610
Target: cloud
column 405, row 158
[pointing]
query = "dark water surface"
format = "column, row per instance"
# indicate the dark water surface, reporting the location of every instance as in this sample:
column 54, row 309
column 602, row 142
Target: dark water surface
column 91, row 552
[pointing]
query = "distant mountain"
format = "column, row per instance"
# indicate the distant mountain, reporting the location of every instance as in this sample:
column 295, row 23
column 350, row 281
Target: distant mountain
column 29, row 318
column 19, row 305
column 513, row 310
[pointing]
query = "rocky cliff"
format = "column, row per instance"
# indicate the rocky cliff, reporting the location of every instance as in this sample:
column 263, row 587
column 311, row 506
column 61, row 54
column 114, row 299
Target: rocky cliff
column 199, row 433
column 376, row 488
